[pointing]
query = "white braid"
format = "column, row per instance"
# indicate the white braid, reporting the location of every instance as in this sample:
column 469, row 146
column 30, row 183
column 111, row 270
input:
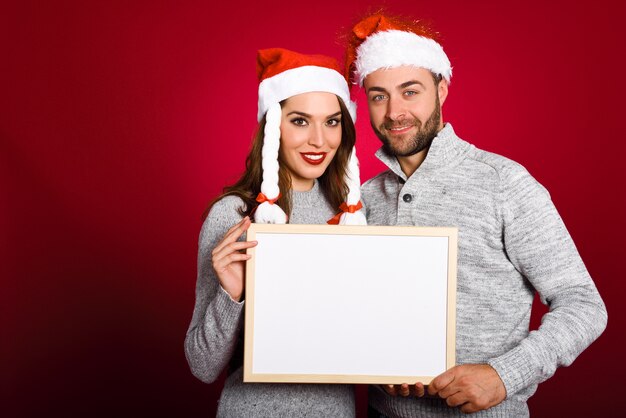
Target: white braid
column 267, row 212
column 354, row 193
column 352, row 179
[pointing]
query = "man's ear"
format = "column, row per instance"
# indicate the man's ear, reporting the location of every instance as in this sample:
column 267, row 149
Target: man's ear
column 442, row 91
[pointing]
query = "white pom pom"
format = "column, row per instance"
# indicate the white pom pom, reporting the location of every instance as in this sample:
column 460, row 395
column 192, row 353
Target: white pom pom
column 356, row 218
column 267, row 213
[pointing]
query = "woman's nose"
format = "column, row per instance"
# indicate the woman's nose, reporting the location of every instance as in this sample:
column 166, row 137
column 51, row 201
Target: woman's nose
column 317, row 136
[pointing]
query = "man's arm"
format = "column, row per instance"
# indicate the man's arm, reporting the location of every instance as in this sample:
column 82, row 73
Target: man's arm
column 539, row 246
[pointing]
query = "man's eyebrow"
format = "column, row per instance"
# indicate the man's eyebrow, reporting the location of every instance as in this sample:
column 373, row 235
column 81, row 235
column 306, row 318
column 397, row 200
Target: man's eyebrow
column 380, row 89
column 410, row 83
column 401, row 86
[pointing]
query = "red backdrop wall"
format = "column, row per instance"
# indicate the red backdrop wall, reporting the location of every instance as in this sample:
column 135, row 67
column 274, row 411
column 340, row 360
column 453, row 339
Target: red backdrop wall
column 120, row 120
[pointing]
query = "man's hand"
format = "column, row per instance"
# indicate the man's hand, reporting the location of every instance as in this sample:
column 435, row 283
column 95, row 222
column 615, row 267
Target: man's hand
column 405, row 390
column 473, row 387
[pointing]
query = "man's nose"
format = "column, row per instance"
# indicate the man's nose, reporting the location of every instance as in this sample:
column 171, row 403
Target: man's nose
column 395, row 108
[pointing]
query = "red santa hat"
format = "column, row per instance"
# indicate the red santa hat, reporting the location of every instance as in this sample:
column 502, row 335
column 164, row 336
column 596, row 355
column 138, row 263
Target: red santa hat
column 282, row 74
column 379, row 42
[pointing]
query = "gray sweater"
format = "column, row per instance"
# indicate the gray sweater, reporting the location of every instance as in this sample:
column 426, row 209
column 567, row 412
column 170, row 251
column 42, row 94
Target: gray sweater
column 214, row 339
column 512, row 242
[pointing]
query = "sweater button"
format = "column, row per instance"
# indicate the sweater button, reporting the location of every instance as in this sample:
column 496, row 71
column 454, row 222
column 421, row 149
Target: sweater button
column 407, row 198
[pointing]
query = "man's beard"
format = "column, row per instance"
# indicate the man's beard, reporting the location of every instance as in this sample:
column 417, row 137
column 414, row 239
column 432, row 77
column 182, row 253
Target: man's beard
column 419, row 142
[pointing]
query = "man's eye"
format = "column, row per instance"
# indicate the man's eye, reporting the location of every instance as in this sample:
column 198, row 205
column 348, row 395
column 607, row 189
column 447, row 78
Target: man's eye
column 410, row 93
column 378, row 98
column 299, row 121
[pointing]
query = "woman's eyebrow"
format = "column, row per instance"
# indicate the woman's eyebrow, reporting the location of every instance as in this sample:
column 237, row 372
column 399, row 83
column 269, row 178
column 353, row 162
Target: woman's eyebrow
column 299, row 113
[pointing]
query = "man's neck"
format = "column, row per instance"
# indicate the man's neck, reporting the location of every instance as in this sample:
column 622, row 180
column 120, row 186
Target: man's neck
column 412, row 162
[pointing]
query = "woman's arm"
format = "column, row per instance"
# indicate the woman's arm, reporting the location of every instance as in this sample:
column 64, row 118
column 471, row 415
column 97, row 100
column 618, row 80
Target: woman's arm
column 212, row 334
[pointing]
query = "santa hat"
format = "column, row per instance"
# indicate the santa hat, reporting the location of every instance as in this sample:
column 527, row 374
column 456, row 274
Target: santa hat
column 282, row 74
column 379, row 42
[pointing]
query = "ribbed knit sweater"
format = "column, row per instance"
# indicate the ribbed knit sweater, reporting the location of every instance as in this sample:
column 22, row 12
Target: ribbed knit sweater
column 214, row 339
column 512, row 242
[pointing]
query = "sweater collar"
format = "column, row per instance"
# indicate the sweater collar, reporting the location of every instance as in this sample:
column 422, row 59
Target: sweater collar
column 445, row 150
column 308, row 197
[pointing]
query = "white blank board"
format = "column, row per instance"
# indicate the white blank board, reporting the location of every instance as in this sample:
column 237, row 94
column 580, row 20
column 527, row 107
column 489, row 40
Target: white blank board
column 347, row 304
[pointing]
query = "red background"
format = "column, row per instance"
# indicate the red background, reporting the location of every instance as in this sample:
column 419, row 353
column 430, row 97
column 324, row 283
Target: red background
column 120, row 120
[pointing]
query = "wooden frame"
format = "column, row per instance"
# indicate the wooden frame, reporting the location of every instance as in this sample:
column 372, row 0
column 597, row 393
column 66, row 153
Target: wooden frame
column 350, row 304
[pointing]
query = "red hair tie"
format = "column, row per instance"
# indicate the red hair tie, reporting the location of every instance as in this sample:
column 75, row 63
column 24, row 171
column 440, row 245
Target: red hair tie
column 345, row 208
column 262, row 198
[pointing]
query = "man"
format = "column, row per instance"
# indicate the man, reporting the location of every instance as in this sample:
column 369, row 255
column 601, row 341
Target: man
column 512, row 241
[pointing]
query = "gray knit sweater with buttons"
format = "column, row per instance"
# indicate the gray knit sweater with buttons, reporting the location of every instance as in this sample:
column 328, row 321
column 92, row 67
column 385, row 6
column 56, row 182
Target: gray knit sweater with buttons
column 512, row 242
column 214, row 339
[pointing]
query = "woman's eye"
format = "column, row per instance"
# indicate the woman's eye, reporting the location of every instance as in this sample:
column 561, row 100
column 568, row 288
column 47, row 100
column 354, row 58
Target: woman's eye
column 333, row 122
column 299, row 121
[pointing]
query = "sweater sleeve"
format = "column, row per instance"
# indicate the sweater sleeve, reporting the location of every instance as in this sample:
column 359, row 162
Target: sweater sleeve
column 215, row 324
column 542, row 250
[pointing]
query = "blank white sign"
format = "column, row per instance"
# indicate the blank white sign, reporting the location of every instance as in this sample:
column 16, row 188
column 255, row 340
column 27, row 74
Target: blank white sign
column 349, row 304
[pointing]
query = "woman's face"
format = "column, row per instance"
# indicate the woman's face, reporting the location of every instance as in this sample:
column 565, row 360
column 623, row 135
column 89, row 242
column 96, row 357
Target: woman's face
column 310, row 132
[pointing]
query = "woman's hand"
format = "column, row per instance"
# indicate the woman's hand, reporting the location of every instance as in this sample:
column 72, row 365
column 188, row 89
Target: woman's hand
column 229, row 259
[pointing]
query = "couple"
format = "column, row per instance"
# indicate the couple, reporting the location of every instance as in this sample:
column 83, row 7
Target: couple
column 303, row 169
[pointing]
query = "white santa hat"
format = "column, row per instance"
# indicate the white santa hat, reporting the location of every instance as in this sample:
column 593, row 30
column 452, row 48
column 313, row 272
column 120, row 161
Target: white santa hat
column 381, row 42
column 282, row 74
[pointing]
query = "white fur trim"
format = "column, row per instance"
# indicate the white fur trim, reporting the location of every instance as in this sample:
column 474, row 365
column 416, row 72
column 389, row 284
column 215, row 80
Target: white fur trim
column 300, row 80
column 394, row 48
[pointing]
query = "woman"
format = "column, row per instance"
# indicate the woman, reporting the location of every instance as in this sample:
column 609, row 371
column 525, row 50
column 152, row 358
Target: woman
column 302, row 163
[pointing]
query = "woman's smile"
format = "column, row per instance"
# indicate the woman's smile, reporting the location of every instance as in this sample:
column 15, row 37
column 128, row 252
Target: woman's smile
column 314, row 158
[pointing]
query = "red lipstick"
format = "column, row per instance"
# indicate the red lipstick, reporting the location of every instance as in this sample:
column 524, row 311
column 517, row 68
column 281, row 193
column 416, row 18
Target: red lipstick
column 313, row 158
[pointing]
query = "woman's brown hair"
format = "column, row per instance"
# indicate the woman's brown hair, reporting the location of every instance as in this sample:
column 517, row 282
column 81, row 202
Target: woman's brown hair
column 332, row 182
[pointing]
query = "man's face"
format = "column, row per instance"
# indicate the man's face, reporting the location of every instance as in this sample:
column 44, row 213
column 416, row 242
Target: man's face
column 405, row 108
